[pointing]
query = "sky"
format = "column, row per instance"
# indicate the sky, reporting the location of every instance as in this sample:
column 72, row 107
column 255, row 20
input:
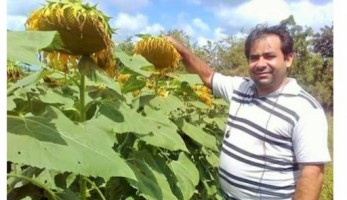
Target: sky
column 202, row 20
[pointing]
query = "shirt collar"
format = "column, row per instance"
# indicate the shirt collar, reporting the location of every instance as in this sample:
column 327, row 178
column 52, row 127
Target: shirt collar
column 291, row 88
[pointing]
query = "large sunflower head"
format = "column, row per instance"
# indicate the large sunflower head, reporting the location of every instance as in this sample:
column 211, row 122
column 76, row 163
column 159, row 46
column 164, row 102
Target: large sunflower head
column 158, row 51
column 83, row 30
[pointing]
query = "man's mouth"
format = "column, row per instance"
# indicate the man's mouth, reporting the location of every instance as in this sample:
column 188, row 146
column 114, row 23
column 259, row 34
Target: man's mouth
column 262, row 73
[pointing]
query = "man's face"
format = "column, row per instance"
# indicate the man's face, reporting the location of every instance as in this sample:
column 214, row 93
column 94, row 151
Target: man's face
column 267, row 64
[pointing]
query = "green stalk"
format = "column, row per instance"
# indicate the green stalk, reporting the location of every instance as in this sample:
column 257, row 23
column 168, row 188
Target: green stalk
column 126, row 140
column 83, row 188
column 96, row 188
column 83, row 183
column 29, row 102
column 36, row 183
column 82, row 87
column 82, row 98
column 156, row 84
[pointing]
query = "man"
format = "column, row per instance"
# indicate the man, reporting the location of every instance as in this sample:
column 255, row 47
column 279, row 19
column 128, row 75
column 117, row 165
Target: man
column 275, row 143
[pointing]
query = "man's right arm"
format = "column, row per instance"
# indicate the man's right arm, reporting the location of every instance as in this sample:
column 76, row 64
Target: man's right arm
column 193, row 63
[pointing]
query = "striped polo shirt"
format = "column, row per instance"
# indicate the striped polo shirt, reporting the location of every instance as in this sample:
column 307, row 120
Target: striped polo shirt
column 267, row 137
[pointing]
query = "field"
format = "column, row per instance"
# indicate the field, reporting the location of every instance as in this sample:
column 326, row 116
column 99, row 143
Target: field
column 86, row 134
column 327, row 190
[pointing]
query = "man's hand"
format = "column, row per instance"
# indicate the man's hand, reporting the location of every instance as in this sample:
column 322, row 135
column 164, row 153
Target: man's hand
column 193, row 63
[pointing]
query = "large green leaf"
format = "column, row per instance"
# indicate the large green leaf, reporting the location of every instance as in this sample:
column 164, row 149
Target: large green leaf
column 153, row 127
column 198, row 135
column 221, row 122
column 28, row 80
column 58, row 44
column 187, row 176
column 199, row 105
column 152, row 181
column 113, row 90
column 211, row 157
column 190, row 78
column 23, row 46
column 134, row 83
column 102, row 78
column 51, row 96
column 10, row 102
column 135, row 63
column 165, row 104
column 116, row 116
column 54, row 142
column 164, row 132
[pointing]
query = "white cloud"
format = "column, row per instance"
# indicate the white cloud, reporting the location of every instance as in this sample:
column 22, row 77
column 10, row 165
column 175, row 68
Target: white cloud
column 201, row 41
column 250, row 13
column 128, row 24
column 240, row 35
column 219, row 33
column 257, row 10
column 306, row 13
column 253, row 12
column 197, row 22
column 154, row 29
column 188, row 29
column 16, row 23
column 125, row 6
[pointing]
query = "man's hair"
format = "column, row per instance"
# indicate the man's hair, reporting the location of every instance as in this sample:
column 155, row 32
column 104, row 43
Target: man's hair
column 263, row 30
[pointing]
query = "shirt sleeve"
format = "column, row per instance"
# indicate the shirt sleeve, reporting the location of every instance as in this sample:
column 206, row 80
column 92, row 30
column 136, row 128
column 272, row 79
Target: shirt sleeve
column 224, row 86
column 310, row 138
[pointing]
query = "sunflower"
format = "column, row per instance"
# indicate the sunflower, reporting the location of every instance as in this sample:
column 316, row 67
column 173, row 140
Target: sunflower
column 83, row 30
column 204, row 94
column 158, row 51
column 14, row 71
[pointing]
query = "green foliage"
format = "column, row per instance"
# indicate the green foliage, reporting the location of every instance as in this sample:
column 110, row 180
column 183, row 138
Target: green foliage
column 323, row 43
column 143, row 146
column 232, row 57
column 327, row 192
column 313, row 71
column 42, row 140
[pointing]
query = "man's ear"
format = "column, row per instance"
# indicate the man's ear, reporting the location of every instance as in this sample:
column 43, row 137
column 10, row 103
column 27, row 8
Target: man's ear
column 288, row 59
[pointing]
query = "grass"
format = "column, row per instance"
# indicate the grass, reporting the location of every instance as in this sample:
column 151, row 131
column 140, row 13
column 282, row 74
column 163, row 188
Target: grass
column 327, row 189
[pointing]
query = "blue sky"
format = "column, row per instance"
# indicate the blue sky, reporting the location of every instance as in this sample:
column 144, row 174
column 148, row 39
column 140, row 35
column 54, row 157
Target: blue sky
column 201, row 19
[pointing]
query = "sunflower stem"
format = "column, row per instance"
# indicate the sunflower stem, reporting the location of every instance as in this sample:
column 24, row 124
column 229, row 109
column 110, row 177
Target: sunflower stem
column 82, row 98
column 96, row 188
column 82, row 88
column 83, row 188
column 156, row 84
column 51, row 194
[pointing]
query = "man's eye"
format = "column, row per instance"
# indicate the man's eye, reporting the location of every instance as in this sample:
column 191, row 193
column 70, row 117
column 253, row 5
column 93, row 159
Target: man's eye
column 269, row 56
column 253, row 58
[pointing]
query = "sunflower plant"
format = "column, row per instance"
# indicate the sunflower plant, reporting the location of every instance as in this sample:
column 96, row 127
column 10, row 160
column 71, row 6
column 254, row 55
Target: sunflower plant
column 83, row 30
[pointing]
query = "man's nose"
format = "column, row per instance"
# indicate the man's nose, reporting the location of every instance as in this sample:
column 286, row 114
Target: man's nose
column 261, row 62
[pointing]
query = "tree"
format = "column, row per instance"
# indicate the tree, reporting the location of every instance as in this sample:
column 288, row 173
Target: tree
column 323, row 42
column 313, row 62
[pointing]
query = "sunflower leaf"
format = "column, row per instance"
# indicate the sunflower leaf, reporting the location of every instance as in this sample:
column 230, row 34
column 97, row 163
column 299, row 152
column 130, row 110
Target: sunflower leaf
column 28, row 43
column 54, row 142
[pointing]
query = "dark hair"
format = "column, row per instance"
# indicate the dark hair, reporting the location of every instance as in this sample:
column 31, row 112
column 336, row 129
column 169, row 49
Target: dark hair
column 262, row 30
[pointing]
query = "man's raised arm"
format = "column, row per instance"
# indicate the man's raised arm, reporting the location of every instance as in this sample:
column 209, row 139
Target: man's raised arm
column 193, row 63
